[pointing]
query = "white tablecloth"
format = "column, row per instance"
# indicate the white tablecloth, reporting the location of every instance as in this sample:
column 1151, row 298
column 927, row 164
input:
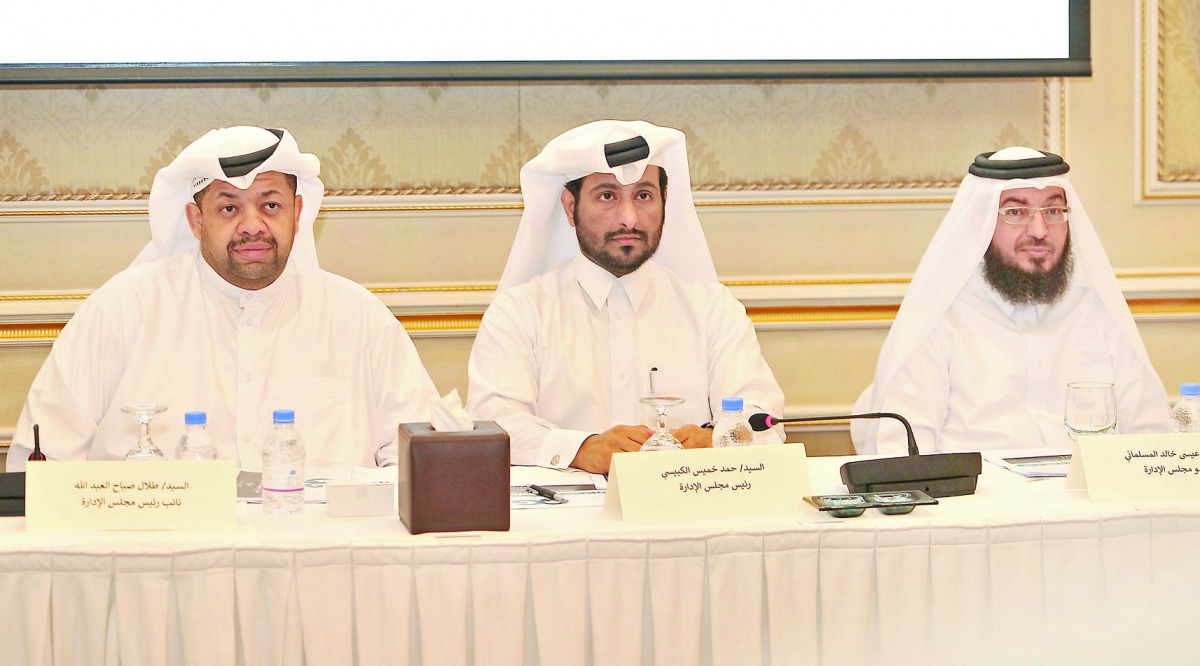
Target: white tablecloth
column 1021, row 572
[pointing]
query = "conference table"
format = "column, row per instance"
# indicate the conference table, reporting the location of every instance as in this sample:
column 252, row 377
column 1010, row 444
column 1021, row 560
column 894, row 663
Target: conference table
column 1020, row 572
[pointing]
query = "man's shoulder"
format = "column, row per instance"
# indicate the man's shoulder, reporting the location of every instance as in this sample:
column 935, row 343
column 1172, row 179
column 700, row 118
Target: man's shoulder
column 708, row 292
column 541, row 288
column 164, row 272
column 310, row 279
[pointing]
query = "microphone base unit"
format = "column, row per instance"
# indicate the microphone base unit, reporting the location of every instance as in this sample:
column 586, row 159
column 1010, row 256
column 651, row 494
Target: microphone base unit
column 937, row 474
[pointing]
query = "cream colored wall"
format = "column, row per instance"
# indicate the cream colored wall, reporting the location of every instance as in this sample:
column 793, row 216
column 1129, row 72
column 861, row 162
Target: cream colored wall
column 817, row 197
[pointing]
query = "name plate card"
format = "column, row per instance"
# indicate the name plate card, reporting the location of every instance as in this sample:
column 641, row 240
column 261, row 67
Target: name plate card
column 1162, row 466
column 120, row 495
column 661, row 486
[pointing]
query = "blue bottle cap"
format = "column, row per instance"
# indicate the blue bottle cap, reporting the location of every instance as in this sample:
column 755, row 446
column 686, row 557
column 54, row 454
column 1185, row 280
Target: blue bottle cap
column 1189, row 389
column 283, row 416
column 195, row 418
column 731, row 404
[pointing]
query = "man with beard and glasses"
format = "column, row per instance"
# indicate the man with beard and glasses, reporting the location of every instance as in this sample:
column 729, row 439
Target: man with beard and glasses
column 610, row 292
column 226, row 311
column 981, row 352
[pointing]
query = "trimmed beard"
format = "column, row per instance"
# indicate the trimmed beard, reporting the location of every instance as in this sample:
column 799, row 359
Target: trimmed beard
column 1021, row 287
column 618, row 263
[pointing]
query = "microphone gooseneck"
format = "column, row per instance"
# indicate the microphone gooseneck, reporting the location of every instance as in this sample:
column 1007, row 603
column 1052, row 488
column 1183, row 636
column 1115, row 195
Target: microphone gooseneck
column 760, row 422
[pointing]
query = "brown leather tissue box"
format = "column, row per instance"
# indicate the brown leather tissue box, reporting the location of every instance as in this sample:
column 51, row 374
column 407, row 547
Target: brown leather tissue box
column 453, row 481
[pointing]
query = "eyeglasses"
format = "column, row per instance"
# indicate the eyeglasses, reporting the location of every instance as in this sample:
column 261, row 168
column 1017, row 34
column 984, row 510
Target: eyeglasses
column 1022, row 215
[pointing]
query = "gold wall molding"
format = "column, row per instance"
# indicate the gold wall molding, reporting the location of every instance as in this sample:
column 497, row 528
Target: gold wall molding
column 729, row 282
column 451, row 207
column 422, row 324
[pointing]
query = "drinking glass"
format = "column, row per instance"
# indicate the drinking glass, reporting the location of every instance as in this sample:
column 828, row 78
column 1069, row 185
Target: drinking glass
column 662, row 439
column 145, row 448
column 1091, row 409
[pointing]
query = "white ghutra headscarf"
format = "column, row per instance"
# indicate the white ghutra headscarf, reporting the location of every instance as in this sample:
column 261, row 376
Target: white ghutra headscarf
column 235, row 155
column 546, row 240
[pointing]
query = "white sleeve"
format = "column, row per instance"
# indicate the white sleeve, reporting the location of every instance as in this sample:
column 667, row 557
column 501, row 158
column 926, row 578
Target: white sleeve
column 70, row 393
column 920, row 392
column 737, row 367
column 403, row 387
column 1142, row 402
column 504, row 388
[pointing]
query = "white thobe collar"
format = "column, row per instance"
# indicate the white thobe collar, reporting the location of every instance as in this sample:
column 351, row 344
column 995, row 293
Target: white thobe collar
column 598, row 283
column 236, row 295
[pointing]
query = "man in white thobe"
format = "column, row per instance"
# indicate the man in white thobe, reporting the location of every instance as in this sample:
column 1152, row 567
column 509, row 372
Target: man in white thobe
column 227, row 312
column 1014, row 299
column 585, row 322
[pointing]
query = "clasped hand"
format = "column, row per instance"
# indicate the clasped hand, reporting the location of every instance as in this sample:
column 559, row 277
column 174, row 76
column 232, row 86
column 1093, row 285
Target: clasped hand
column 595, row 454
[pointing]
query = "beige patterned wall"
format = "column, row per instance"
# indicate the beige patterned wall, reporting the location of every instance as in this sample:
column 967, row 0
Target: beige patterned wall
column 106, row 142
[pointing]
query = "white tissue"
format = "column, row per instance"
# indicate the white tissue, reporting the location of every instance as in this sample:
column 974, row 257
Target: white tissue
column 446, row 414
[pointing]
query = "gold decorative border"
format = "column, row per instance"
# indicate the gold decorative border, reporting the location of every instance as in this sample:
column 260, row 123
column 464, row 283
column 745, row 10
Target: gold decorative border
column 486, row 287
column 516, row 207
column 792, row 314
column 69, row 212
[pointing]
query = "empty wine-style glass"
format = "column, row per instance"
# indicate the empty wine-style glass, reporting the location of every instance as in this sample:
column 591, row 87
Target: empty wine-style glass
column 662, row 439
column 145, row 448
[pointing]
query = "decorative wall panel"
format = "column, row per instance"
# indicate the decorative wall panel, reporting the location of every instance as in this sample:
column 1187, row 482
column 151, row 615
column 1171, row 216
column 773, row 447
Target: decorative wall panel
column 106, row 142
column 1170, row 91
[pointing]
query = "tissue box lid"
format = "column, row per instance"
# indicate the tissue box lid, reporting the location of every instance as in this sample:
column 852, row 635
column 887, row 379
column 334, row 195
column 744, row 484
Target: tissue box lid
column 425, row 432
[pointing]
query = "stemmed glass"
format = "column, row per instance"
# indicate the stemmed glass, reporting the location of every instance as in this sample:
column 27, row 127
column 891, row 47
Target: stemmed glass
column 1091, row 409
column 145, row 448
column 662, row 439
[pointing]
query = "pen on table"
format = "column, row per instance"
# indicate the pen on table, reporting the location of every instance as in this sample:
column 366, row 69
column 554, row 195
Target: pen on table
column 548, row 494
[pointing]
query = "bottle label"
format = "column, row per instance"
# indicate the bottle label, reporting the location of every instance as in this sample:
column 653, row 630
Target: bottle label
column 284, row 480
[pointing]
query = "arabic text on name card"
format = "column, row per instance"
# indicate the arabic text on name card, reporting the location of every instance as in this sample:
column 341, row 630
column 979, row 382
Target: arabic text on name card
column 120, row 495
column 661, row 486
column 1164, row 466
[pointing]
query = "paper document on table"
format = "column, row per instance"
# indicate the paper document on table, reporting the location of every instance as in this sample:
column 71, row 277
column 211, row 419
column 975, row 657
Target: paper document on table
column 249, row 483
column 525, row 475
column 575, row 499
column 1032, row 466
column 578, row 487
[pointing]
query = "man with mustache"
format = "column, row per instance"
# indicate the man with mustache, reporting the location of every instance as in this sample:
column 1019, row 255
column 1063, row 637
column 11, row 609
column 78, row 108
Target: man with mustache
column 1014, row 299
column 610, row 293
column 226, row 311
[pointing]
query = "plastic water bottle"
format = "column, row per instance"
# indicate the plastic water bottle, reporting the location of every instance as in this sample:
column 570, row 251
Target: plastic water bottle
column 732, row 428
column 196, row 443
column 283, row 466
column 1186, row 413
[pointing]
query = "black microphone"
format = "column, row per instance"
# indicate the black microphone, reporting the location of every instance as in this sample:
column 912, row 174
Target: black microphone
column 938, row 474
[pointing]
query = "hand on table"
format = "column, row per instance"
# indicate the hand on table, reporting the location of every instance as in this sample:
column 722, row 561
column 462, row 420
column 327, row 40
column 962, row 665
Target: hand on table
column 694, row 437
column 595, row 454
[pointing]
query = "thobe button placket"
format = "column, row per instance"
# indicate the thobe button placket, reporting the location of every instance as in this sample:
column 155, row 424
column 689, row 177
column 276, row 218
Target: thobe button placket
column 622, row 398
column 251, row 347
